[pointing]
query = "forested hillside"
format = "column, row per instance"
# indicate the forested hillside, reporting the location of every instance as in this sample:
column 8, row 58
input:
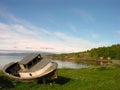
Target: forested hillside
column 111, row 51
column 94, row 54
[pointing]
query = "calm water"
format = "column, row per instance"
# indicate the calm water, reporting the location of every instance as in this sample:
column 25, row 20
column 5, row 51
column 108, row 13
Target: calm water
column 5, row 59
column 13, row 57
column 62, row 64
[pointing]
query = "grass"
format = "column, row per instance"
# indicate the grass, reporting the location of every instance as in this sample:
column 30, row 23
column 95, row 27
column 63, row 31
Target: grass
column 97, row 78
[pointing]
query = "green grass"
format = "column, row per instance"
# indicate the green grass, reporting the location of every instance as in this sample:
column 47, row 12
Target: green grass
column 97, row 78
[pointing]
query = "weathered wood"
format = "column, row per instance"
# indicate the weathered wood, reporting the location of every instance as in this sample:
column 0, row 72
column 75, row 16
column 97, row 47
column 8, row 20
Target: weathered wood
column 28, row 58
column 33, row 68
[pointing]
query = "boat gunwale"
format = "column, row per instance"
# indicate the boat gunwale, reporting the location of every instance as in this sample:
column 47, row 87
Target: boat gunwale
column 20, row 78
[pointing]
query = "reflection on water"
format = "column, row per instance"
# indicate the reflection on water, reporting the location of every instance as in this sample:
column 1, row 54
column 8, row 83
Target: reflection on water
column 65, row 64
column 5, row 59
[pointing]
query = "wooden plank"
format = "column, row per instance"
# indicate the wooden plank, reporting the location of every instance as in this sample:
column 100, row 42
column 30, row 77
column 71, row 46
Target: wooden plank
column 27, row 59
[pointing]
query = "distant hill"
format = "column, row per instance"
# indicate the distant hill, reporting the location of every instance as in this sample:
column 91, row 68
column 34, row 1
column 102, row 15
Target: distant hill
column 94, row 54
column 112, row 51
column 21, row 52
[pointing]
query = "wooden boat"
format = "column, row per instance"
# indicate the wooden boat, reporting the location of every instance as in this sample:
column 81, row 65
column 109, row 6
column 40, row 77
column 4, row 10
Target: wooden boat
column 31, row 67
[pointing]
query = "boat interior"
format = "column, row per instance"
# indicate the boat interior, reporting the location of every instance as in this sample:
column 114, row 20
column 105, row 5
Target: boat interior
column 24, row 65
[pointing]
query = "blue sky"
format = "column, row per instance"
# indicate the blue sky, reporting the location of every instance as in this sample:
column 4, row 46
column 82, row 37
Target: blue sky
column 59, row 25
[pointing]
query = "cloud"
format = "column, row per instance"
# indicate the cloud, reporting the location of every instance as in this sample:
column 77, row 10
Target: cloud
column 23, row 35
column 117, row 31
column 59, row 42
column 73, row 28
column 78, row 44
column 4, row 13
column 11, row 38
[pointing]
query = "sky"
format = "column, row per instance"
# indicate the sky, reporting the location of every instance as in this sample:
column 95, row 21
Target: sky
column 59, row 26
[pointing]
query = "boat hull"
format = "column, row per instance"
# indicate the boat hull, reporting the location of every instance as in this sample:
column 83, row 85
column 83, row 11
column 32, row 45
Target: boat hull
column 48, row 74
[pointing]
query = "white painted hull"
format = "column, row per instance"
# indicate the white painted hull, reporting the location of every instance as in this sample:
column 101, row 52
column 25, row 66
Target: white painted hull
column 48, row 69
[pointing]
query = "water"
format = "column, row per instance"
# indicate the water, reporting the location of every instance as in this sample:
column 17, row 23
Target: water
column 6, row 58
column 66, row 64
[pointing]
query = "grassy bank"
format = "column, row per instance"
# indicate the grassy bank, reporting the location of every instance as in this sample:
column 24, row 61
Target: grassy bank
column 97, row 78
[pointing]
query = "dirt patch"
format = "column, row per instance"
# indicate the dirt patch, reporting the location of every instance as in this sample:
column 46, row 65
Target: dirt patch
column 116, row 62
